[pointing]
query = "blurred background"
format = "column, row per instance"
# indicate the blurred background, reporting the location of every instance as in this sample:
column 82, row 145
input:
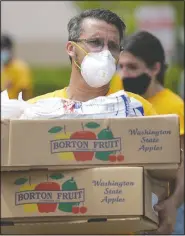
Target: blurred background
column 39, row 30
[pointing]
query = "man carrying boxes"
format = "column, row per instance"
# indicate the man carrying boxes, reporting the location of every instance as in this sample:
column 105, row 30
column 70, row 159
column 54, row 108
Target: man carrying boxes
column 91, row 200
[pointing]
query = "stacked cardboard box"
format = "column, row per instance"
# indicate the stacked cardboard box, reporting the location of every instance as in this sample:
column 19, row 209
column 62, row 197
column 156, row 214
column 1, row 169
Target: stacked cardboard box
column 86, row 176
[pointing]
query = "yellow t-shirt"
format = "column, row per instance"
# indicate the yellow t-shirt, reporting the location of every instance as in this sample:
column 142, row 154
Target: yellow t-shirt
column 167, row 102
column 116, row 84
column 148, row 109
column 18, row 75
column 164, row 102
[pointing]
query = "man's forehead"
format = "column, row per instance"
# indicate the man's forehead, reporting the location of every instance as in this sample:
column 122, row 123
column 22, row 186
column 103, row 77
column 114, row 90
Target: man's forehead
column 95, row 27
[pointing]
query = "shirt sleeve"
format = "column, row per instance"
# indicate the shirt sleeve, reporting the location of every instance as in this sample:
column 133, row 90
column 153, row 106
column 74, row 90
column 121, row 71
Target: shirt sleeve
column 180, row 113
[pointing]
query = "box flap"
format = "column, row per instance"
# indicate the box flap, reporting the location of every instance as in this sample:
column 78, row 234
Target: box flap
column 111, row 226
column 149, row 199
column 162, row 171
column 155, row 191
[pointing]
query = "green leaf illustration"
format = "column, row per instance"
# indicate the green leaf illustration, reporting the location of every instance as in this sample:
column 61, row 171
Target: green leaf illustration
column 20, row 181
column 92, row 125
column 55, row 130
column 57, row 176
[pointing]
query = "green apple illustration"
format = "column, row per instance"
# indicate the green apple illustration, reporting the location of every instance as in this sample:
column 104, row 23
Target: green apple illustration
column 104, row 134
column 69, row 206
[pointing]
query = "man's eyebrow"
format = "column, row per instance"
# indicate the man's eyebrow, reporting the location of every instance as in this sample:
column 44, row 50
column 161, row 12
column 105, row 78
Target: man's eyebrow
column 97, row 35
column 109, row 41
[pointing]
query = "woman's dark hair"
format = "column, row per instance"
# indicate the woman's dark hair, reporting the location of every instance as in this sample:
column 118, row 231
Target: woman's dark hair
column 148, row 48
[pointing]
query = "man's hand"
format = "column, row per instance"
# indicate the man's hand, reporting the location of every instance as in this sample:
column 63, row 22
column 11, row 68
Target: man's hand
column 167, row 212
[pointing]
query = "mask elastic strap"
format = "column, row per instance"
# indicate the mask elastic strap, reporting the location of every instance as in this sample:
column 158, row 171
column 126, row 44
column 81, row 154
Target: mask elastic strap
column 77, row 65
column 80, row 49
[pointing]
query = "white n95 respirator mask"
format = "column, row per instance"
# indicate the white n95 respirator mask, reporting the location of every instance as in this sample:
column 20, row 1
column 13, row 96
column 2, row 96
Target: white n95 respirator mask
column 98, row 69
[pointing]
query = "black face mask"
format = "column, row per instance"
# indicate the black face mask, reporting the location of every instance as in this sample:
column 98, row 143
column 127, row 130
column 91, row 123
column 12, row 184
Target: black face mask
column 138, row 84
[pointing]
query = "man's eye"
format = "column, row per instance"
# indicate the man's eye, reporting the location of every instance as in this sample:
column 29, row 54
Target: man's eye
column 95, row 42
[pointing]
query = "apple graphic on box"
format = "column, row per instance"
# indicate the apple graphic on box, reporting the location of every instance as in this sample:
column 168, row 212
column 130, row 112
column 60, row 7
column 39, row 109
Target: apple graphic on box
column 47, row 186
column 69, row 206
column 26, row 187
column 67, row 156
column 83, row 209
column 87, row 135
column 29, row 207
column 120, row 158
column 104, row 134
column 112, row 158
column 60, row 133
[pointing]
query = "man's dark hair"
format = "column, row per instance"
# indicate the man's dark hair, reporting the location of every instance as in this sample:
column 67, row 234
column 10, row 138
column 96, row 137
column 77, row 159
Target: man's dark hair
column 148, row 48
column 74, row 25
column 6, row 42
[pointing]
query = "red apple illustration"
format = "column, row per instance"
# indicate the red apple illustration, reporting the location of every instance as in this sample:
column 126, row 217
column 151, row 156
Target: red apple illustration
column 47, row 186
column 83, row 209
column 112, row 158
column 75, row 209
column 120, row 158
column 84, row 134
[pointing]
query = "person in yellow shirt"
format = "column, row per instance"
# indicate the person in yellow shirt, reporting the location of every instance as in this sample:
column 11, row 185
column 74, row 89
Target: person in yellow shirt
column 143, row 70
column 15, row 73
column 94, row 41
column 116, row 83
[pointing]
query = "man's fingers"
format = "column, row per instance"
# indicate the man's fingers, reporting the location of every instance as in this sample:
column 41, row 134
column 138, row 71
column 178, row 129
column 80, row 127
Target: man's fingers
column 164, row 230
column 165, row 227
column 159, row 207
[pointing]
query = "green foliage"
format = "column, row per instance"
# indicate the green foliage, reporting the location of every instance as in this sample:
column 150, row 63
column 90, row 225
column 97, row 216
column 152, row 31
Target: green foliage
column 173, row 77
column 46, row 79
column 179, row 6
column 126, row 8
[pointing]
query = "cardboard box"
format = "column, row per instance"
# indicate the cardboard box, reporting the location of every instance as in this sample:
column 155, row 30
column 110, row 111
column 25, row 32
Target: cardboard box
column 115, row 194
column 51, row 144
column 111, row 226
column 83, row 227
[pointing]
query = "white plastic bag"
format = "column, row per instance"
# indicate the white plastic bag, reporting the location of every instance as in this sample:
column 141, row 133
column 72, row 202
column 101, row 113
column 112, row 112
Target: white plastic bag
column 114, row 105
column 12, row 108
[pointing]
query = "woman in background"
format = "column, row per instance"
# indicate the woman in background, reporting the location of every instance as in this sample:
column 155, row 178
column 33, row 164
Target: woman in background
column 143, row 70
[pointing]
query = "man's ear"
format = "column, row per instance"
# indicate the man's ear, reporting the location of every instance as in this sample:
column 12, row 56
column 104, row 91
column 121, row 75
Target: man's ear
column 70, row 48
column 156, row 69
